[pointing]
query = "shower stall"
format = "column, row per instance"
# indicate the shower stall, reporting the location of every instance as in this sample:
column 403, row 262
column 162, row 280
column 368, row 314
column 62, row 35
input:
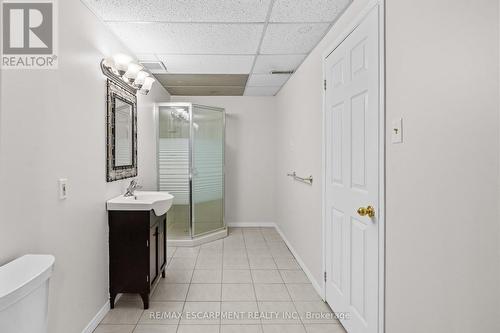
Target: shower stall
column 190, row 166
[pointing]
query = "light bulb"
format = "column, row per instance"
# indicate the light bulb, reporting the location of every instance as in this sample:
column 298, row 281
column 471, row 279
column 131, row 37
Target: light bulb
column 121, row 62
column 139, row 79
column 148, row 83
column 132, row 70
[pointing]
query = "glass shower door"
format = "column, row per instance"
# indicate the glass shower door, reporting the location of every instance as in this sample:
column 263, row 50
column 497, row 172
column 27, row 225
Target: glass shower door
column 207, row 139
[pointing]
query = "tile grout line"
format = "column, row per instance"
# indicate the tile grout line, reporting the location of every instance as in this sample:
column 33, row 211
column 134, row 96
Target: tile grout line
column 189, row 288
column 288, row 291
column 253, row 282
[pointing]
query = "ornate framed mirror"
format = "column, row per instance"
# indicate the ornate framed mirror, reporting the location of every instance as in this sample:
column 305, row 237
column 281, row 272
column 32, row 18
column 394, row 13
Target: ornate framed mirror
column 121, row 147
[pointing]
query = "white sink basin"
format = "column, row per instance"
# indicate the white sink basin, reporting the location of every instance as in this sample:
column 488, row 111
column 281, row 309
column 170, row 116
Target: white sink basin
column 160, row 202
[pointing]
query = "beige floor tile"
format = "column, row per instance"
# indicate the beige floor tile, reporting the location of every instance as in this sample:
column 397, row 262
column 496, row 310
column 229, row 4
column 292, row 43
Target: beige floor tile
column 271, row 292
column 236, row 276
column 204, row 292
column 266, row 276
column 236, row 263
column 207, row 276
column 272, row 236
column 186, row 252
column 170, row 292
column 177, row 276
column 261, row 263
column 239, row 313
column 216, row 243
column 238, row 292
column 209, row 263
column 114, row 328
column 201, row 313
column 324, row 328
column 286, row 313
column 198, row 329
column 303, row 292
column 281, row 253
column 235, row 252
column 182, row 263
column 262, row 252
column 234, row 244
column 148, row 328
column 215, row 251
column 124, row 313
column 256, row 245
column 128, row 298
column 171, row 251
column 287, row 263
column 315, row 312
column 294, row 276
column 162, row 313
column 241, row 329
column 283, row 329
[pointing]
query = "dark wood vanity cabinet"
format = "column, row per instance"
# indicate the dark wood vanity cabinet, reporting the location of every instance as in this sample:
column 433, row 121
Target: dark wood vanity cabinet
column 137, row 252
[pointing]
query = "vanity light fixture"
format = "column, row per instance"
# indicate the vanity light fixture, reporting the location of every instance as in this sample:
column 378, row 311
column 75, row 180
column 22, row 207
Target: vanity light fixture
column 131, row 76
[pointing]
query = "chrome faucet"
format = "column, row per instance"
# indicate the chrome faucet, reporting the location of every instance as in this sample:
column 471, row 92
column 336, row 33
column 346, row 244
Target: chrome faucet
column 131, row 188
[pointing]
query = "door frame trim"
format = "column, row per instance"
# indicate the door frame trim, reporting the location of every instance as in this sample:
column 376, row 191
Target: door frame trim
column 382, row 147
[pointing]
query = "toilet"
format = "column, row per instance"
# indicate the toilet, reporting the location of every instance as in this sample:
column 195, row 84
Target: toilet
column 24, row 294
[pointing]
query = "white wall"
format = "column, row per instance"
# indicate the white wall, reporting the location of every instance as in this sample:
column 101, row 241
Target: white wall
column 299, row 106
column 442, row 195
column 250, row 155
column 53, row 126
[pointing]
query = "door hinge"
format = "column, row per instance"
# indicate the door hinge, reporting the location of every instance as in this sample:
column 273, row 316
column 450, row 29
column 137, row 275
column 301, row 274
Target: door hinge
column 147, row 278
column 324, row 84
column 147, row 243
column 324, row 276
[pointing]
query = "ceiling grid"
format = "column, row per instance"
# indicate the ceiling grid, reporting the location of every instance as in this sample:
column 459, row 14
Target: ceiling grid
column 207, row 40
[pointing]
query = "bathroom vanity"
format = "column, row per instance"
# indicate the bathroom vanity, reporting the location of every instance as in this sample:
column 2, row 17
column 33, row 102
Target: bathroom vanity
column 137, row 243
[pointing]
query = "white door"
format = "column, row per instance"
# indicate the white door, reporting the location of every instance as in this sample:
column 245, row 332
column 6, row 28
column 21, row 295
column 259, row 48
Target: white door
column 352, row 111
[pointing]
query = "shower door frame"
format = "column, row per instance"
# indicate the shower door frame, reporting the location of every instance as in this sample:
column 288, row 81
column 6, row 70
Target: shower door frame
column 190, row 107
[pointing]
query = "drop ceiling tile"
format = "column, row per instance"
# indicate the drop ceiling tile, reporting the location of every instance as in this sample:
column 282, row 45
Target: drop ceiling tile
column 308, row 10
column 207, row 91
column 267, row 63
column 170, row 80
column 179, row 38
column 146, row 57
column 267, row 80
column 292, row 38
column 208, row 64
column 181, row 11
column 261, row 91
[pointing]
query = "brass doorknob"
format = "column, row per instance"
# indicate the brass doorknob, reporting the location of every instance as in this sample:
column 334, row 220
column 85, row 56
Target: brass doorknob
column 368, row 211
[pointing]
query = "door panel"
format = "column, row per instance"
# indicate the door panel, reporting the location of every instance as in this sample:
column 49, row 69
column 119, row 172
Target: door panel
column 352, row 176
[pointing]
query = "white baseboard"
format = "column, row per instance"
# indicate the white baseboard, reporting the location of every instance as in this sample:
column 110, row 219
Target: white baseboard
column 97, row 319
column 251, row 224
column 316, row 285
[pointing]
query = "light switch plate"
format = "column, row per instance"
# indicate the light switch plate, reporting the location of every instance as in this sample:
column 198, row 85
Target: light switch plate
column 397, row 131
column 63, row 188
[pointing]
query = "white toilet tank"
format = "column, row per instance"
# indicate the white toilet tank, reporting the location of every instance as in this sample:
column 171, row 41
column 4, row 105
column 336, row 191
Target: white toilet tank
column 24, row 294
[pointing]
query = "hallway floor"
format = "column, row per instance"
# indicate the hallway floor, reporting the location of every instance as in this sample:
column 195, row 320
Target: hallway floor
column 248, row 282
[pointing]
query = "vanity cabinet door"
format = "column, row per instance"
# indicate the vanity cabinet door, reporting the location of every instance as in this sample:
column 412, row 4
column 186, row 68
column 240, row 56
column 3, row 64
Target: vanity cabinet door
column 153, row 248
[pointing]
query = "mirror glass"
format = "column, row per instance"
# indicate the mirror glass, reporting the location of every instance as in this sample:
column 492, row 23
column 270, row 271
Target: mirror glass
column 123, row 133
